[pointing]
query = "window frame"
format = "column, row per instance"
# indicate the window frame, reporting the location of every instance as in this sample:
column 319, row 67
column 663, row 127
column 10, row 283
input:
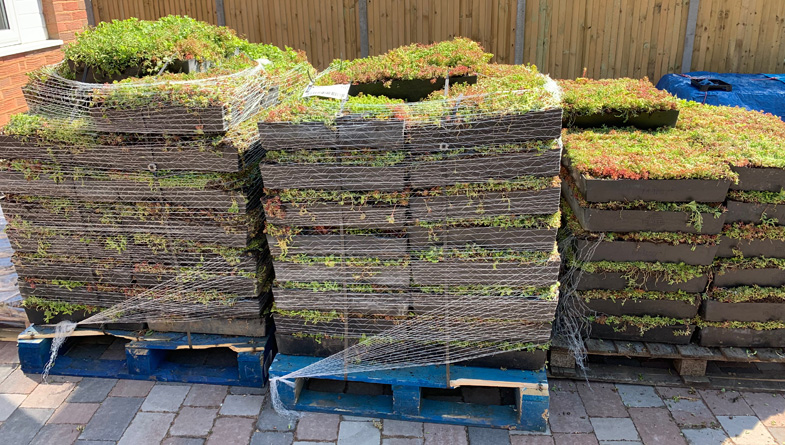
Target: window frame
column 9, row 37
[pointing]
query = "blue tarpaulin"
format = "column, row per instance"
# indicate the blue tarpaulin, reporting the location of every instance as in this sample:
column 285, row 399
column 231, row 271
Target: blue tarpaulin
column 762, row 92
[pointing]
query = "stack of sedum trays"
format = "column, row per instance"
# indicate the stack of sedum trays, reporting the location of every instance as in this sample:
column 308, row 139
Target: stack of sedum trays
column 421, row 209
column 140, row 190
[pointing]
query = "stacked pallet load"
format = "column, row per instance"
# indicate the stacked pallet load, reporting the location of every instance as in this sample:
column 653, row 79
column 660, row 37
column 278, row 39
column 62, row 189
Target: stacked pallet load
column 745, row 305
column 414, row 220
column 145, row 189
column 643, row 200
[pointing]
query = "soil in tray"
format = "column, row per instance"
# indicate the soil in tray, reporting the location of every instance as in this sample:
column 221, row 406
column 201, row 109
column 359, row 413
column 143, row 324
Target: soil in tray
column 644, row 121
column 480, row 169
column 659, row 308
column 255, row 327
column 769, row 277
column 750, row 212
column 437, row 208
column 596, row 220
column 349, row 245
column 662, row 190
column 333, row 177
column 291, row 136
column 617, row 281
column 319, row 272
column 458, row 273
column 593, row 250
column 170, row 119
column 675, row 335
column 710, row 336
column 505, row 129
column 410, row 90
column 370, row 216
column 713, row 310
column 769, row 248
column 539, row 240
column 762, row 179
column 38, row 317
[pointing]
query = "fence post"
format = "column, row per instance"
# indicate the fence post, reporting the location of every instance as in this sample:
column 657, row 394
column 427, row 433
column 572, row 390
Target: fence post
column 88, row 6
column 363, row 9
column 220, row 13
column 689, row 36
column 520, row 26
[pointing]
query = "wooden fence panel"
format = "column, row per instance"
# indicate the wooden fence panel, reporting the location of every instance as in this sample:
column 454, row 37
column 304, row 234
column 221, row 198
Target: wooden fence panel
column 108, row 10
column 745, row 36
column 609, row 38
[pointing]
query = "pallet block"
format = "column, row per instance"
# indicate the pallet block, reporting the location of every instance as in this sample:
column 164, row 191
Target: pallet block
column 407, row 403
column 689, row 361
column 146, row 357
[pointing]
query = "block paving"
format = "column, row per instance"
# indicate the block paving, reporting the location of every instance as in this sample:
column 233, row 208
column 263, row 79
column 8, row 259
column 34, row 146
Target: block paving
column 84, row 411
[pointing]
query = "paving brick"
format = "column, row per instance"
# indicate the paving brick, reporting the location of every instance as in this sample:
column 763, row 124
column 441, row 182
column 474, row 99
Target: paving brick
column 314, row 426
column 192, row 421
column 238, row 405
column 639, row 396
column 95, row 442
column 19, row 383
column 231, row 430
column 726, row 403
column 49, row 395
column 147, row 429
column 601, row 400
column 687, row 408
column 360, row 419
column 488, row 435
column 166, row 398
column 746, row 430
column 706, row 436
column 547, row 432
column 402, row 441
column 531, row 440
column 402, row 428
column 112, row 418
column 308, row 442
column 574, row 439
column 5, row 371
column 567, row 414
column 562, row 385
column 247, row 391
column 56, row 435
column 23, row 425
column 9, row 354
column 621, row 442
column 91, row 390
column 770, row 408
column 437, row 434
column 183, row 441
column 74, row 413
column 9, row 403
column 270, row 420
column 778, row 433
column 358, row 433
column 205, row 395
column 131, row 388
column 608, row 428
column 655, row 425
column 272, row 438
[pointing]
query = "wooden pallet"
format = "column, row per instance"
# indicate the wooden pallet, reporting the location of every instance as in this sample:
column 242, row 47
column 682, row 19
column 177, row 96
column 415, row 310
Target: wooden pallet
column 689, row 361
column 163, row 356
column 406, row 401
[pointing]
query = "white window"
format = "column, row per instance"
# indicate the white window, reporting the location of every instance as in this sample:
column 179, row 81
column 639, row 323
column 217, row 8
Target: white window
column 22, row 27
column 9, row 30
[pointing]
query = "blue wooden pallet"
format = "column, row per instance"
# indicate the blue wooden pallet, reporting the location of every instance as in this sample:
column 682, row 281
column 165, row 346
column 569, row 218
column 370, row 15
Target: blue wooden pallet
column 148, row 357
column 406, row 403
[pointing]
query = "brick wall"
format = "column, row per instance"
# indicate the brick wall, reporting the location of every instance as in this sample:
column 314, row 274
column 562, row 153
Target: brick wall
column 63, row 19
